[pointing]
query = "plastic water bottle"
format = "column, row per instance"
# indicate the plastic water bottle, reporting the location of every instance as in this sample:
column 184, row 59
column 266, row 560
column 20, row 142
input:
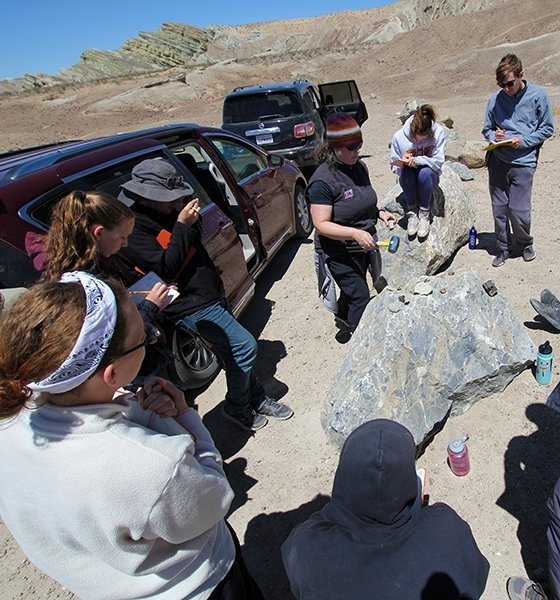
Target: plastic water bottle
column 543, row 371
column 472, row 238
column 458, row 453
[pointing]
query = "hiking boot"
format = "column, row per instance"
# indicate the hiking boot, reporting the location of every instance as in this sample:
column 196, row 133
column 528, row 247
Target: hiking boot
column 424, row 226
column 500, row 259
column 521, row 588
column 413, row 224
column 249, row 419
column 529, row 254
column 274, row 409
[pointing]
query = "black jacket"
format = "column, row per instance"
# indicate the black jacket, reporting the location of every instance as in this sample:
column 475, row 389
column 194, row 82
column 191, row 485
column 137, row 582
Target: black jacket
column 174, row 251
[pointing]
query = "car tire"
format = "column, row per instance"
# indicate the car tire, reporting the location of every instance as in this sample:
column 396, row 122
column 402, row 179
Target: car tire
column 195, row 364
column 304, row 224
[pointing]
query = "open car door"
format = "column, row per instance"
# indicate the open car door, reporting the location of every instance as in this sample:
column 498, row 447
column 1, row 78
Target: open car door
column 343, row 96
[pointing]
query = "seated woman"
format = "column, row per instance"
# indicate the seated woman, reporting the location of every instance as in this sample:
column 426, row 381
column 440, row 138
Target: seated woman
column 417, row 156
column 368, row 542
column 344, row 212
column 101, row 493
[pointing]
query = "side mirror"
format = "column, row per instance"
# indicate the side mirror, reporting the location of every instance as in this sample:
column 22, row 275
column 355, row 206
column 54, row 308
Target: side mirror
column 276, row 161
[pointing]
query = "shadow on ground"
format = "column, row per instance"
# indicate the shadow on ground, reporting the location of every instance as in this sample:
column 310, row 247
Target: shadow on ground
column 263, row 539
column 531, row 469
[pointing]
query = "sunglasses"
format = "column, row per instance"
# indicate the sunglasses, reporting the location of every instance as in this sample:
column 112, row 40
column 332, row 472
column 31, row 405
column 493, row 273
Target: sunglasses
column 152, row 336
column 352, row 147
column 508, row 84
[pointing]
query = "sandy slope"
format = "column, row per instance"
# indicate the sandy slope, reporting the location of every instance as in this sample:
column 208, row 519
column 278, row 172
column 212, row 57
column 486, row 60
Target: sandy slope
column 278, row 472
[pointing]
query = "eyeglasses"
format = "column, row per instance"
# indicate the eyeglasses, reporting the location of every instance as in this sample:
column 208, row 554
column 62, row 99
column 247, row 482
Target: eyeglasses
column 508, row 84
column 152, row 336
column 352, row 147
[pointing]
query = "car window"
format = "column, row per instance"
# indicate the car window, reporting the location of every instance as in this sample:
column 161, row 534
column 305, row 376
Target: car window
column 254, row 107
column 339, row 92
column 242, row 160
column 106, row 180
column 310, row 101
column 16, row 270
column 207, row 188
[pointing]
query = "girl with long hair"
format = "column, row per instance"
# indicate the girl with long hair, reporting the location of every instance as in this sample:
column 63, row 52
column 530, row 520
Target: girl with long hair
column 417, row 157
column 115, row 497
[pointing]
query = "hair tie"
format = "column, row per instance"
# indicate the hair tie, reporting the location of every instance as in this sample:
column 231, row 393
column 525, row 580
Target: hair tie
column 94, row 338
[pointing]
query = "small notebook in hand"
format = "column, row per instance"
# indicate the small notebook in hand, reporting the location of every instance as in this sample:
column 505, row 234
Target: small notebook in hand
column 139, row 290
column 494, row 145
column 421, row 496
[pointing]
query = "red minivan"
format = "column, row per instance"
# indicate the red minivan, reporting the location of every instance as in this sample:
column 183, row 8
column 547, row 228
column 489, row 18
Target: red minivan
column 252, row 202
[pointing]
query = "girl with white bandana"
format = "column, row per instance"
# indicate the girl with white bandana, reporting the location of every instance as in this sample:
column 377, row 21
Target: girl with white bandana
column 114, row 498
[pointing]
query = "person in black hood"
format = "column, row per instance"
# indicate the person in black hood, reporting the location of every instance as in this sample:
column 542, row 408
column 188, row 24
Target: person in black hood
column 367, row 542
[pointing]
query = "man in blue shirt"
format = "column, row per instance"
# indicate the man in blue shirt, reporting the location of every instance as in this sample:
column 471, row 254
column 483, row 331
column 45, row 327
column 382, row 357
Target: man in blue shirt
column 520, row 116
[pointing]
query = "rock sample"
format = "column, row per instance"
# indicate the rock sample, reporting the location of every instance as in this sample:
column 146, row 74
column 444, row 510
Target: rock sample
column 416, row 358
column 452, row 217
column 467, row 152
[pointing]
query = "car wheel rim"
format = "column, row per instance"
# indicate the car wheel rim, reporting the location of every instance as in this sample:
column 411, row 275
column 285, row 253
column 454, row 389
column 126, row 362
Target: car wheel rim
column 303, row 215
column 194, row 353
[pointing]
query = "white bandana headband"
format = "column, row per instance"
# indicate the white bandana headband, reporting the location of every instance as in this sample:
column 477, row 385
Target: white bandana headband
column 93, row 341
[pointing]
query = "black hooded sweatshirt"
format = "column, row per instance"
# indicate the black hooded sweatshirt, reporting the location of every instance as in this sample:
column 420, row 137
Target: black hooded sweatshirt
column 367, row 543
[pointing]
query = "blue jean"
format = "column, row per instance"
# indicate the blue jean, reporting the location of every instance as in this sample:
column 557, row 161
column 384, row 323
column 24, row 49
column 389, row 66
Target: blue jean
column 418, row 184
column 236, row 350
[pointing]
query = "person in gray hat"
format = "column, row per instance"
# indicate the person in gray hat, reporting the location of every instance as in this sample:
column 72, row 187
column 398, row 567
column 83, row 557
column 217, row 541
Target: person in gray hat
column 167, row 240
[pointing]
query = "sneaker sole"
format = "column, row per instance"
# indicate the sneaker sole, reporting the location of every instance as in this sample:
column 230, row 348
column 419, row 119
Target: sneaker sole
column 530, row 259
column 232, row 418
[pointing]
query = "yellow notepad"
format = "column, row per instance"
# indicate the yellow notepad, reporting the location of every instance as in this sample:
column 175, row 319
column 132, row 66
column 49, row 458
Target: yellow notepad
column 494, row 145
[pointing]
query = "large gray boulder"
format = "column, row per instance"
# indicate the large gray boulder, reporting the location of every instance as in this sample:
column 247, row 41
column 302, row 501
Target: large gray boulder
column 417, row 357
column 452, row 217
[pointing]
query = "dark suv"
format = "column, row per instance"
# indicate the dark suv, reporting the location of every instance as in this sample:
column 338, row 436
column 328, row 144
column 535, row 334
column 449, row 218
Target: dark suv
column 288, row 118
column 251, row 203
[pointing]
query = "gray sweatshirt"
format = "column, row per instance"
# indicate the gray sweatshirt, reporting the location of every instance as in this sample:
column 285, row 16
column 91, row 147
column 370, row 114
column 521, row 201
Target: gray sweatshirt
column 116, row 503
column 526, row 115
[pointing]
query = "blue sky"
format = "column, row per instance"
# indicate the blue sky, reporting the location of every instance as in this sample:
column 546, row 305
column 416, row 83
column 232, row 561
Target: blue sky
column 41, row 36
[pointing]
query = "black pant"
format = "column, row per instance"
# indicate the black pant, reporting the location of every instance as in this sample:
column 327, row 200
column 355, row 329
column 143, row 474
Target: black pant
column 238, row 584
column 350, row 273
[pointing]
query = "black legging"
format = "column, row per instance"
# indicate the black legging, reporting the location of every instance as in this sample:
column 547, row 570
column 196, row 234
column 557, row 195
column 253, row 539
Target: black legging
column 238, row 584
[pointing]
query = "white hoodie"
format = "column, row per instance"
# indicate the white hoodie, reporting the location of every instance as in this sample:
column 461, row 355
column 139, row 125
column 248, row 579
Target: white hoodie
column 429, row 152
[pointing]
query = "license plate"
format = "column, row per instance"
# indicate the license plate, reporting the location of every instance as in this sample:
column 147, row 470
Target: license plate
column 264, row 139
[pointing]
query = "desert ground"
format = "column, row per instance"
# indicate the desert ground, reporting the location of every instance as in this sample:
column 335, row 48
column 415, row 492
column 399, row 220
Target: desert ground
column 284, row 472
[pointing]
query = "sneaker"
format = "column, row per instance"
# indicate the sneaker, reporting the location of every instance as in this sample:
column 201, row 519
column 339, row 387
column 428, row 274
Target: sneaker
column 413, row 224
column 529, row 254
column 249, row 419
column 521, row 588
column 343, row 336
column 500, row 259
column 275, row 409
column 424, row 226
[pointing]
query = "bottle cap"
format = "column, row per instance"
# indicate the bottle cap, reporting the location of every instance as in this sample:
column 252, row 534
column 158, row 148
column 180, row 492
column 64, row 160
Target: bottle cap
column 457, row 446
column 545, row 348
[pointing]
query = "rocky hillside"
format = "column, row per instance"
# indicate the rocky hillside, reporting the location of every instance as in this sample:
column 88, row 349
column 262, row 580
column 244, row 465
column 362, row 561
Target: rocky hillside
column 183, row 45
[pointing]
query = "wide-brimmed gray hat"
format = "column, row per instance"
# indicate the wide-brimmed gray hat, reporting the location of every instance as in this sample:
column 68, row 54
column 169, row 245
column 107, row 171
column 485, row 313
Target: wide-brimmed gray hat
column 155, row 180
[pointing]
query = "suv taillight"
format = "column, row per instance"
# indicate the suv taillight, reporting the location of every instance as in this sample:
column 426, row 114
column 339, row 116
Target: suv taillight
column 304, row 129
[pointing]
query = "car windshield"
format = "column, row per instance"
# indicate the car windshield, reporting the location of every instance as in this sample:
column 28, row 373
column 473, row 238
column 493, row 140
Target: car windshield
column 267, row 105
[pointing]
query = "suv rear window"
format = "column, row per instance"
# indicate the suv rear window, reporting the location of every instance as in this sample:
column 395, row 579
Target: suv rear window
column 254, row 107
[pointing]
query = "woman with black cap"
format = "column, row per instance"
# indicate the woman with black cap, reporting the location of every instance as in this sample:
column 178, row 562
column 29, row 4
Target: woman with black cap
column 368, row 542
column 344, row 212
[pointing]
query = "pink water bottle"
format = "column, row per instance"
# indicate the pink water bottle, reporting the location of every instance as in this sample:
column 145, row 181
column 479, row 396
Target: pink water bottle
column 458, row 453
